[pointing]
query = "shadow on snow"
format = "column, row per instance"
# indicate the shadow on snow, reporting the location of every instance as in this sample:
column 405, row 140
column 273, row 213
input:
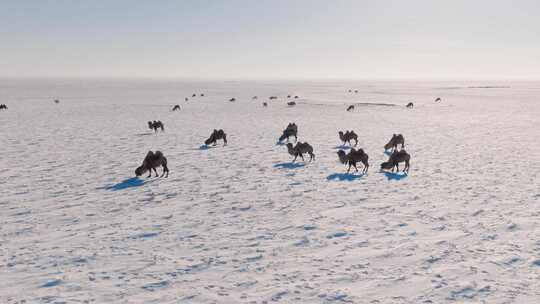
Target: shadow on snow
column 127, row 183
column 344, row 177
column 289, row 165
column 395, row 176
column 342, row 147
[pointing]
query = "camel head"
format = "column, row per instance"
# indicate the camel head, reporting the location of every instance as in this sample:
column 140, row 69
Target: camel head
column 140, row 171
column 290, row 148
column 387, row 165
column 342, row 156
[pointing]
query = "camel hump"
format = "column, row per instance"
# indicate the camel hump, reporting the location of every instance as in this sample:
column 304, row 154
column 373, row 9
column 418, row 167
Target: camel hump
column 158, row 154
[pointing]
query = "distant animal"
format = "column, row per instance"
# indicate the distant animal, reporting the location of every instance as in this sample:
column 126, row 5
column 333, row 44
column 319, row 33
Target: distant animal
column 176, row 108
column 296, row 97
column 232, row 99
column 396, row 158
column 254, row 97
column 56, row 101
column 348, row 136
column 194, row 95
column 202, row 95
column 291, row 130
column 300, row 149
column 291, row 103
column 265, row 104
column 356, row 91
column 155, row 125
column 438, row 99
column 394, row 142
column 350, row 108
column 288, row 96
column 410, row 105
column 215, row 136
column 186, row 99
column 272, row 97
column 152, row 161
column 350, row 91
column 3, row 107
column 353, row 157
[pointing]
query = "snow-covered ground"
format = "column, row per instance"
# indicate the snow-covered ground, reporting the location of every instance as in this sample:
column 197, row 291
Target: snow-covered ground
column 241, row 224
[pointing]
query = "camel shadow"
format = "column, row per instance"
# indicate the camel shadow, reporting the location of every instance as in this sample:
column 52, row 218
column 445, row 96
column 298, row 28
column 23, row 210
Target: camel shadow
column 144, row 134
column 344, row 177
column 395, row 176
column 342, row 147
column 206, row 147
column 290, row 165
column 127, row 183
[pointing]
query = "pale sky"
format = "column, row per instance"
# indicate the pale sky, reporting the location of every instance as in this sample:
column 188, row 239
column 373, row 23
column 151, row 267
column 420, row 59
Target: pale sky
column 375, row 39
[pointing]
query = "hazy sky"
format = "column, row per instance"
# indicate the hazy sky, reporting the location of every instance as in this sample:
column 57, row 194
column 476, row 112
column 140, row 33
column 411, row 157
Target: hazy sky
column 271, row 39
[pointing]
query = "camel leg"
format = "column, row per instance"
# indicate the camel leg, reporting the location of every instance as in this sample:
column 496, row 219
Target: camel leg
column 149, row 173
column 155, row 171
column 349, row 169
column 356, row 168
column 302, row 156
column 356, row 142
column 224, row 140
column 397, row 167
column 295, row 156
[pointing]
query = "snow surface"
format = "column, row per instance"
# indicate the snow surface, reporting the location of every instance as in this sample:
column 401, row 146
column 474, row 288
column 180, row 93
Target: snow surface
column 241, row 224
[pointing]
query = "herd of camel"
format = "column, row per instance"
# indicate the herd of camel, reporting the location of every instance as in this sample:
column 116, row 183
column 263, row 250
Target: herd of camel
column 397, row 156
column 155, row 160
column 233, row 99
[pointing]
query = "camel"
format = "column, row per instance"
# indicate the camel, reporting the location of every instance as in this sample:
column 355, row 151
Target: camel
column 394, row 142
column 291, row 130
column 202, row 95
column 410, row 105
column 288, row 96
column 296, row 97
column 396, row 158
column 56, row 101
column 254, row 97
column 350, row 108
column 215, row 136
column 3, row 107
column 152, row 161
column 265, row 104
column 194, row 95
column 232, row 99
column 155, row 125
column 291, row 103
column 300, row 149
column 348, row 136
column 354, row 157
column 272, row 97
column 355, row 91
column 438, row 99
column 176, row 108
column 186, row 99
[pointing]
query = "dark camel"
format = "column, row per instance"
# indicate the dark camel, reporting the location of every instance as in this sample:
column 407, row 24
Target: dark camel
column 215, row 136
column 394, row 142
column 354, row 157
column 348, row 136
column 396, row 158
column 152, row 161
column 299, row 150
column 291, row 130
